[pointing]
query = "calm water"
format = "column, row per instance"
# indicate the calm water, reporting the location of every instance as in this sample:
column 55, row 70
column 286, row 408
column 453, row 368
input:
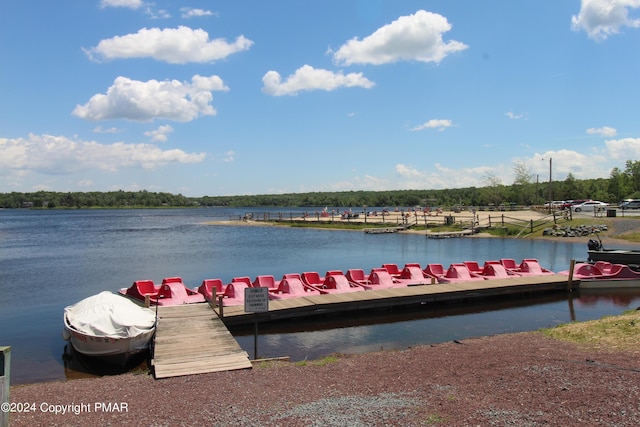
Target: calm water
column 51, row 259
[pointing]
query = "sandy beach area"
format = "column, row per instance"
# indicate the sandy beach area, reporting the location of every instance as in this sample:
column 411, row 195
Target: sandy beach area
column 612, row 237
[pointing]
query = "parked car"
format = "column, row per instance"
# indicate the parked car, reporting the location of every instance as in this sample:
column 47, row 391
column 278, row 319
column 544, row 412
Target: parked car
column 630, row 204
column 590, row 206
column 569, row 204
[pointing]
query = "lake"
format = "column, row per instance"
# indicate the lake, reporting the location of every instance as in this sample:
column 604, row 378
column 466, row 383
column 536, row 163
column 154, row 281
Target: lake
column 51, row 259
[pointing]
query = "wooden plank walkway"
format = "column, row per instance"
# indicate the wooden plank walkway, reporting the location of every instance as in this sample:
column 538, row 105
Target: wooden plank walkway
column 393, row 297
column 449, row 234
column 191, row 339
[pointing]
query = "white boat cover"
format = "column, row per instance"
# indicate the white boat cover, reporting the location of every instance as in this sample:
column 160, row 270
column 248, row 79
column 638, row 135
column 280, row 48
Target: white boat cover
column 109, row 315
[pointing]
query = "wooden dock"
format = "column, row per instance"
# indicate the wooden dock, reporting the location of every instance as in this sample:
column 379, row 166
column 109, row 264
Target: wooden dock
column 395, row 297
column 191, row 339
column 383, row 230
column 449, row 234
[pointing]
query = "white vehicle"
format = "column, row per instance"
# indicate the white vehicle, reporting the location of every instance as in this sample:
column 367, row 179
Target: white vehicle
column 590, row 206
column 556, row 204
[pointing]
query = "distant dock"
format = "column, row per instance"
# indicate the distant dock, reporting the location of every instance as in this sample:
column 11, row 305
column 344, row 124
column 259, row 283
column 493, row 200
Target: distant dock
column 383, row 230
column 449, row 234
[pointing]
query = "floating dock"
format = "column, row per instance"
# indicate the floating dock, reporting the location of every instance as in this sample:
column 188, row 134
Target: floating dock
column 395, row 297
column 449, row 234
column 191, row 339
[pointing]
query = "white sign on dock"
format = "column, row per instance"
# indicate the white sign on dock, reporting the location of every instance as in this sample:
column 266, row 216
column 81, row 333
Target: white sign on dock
column 256, row 300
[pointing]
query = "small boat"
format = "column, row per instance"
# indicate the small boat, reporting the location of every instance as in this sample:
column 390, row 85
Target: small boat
column 291, row 287
column 108, row 326
column 528, row 267
column 379, row 278
column 172, row 291
column 596, row 252
column 412, row 275
column 334, row 282
column 211, row 289
column 234, row 293
column 456, row 273
column 604, row 275
column 493, row 270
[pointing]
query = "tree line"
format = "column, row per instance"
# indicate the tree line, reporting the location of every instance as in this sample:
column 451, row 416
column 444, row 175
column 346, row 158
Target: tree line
column 621, row 184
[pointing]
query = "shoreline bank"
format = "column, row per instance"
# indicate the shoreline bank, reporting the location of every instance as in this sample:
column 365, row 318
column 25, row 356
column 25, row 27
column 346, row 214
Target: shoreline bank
column 523, row 378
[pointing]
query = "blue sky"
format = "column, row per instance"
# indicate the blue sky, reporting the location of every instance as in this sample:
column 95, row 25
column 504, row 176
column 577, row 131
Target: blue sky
column 254, row 97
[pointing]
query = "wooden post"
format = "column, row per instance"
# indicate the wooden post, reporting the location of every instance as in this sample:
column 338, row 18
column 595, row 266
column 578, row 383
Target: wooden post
column 220, row 307
column 5, row 382
column 570, row 281
column 531, row 225
column 147, row 301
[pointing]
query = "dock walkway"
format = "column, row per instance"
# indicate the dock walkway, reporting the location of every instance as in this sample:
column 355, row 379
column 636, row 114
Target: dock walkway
column 449, row 234
column 191, row 339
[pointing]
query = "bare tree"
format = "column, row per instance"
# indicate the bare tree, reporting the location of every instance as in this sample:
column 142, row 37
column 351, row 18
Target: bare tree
column 522, row 172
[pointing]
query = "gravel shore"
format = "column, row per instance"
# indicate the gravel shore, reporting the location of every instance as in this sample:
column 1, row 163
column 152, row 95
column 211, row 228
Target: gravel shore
column 523, row 379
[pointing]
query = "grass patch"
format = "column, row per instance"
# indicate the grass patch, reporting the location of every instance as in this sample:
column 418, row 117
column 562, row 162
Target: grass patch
column 319, row 362
column 506, row 231
column 612, row 332
column 433, row 419
column 631, row 237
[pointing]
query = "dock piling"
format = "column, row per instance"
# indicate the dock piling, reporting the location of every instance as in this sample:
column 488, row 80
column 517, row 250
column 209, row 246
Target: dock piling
column 5, row 382
column 572, row 266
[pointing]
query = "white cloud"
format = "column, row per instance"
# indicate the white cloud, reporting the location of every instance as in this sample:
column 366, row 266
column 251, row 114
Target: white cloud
column 439, row 177
column 228, row 156
column 156, row 14
column 440, row 124
column 160, row 134
column 57, row 155
column 99, row 129
column 173, row 45
column 623, row 149
column 602, row 18
column 514, row 116
column 131, row 4
column 145, row 101
column 586, row 164
column 189, row 12
column 604, row 131
column 309, row 78
column 416, row 37
column 408, row 172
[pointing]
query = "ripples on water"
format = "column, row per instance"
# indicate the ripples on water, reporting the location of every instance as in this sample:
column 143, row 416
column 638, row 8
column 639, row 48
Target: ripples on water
column 51, row 259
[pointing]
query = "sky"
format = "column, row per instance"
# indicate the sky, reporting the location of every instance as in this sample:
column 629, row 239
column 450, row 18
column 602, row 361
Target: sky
column 234, row 97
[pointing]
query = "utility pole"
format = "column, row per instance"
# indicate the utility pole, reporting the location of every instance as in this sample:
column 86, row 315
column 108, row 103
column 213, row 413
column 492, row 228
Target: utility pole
column 550, row 180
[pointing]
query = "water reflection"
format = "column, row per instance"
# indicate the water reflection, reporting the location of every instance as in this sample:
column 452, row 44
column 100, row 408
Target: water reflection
column 77, row 365
column 430, row 324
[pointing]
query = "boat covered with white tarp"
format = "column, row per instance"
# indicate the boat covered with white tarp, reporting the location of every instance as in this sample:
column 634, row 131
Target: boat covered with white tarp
column 108, row 325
